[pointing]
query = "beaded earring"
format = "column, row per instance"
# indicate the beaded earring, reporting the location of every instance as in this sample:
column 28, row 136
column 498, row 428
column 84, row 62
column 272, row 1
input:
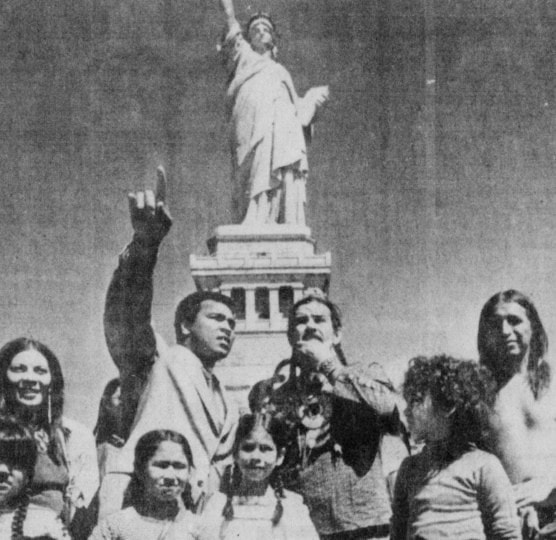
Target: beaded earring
column 49, row 406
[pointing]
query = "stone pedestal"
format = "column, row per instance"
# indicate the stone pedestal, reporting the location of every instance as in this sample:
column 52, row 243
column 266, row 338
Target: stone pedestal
column 265, row 271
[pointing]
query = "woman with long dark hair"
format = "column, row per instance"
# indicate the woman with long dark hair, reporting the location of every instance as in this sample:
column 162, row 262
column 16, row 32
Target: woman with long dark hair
column 32, row 390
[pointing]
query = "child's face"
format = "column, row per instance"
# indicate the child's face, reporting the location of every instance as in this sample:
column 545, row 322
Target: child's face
column 166, row 473
column 12, row 482
column 426, row 422
column 257, row 456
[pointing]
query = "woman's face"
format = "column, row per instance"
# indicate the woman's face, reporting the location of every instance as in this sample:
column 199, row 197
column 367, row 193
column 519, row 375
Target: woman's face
column 29, row 377
column 12, row 482
column 166, row 473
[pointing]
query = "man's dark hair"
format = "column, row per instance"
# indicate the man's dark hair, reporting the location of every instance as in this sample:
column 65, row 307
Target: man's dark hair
column 538, row 370
column 189, row 307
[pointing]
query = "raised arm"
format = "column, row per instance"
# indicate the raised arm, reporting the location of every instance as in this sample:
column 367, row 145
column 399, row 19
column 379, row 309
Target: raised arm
column 227, row 7
column 368, row 385
column 127, row 316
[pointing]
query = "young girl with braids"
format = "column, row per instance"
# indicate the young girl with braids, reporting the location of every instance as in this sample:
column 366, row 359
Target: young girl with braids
column 20, row 519
column 254, row 504
column 158, row 497
column 453, row 488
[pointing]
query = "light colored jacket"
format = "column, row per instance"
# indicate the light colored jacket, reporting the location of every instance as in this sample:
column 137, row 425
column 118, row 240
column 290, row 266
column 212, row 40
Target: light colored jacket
column 80, row 453
column 177, row 397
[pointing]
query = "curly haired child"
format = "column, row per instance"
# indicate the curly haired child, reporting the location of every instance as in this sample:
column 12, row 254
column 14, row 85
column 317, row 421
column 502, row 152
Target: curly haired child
column 452, row 488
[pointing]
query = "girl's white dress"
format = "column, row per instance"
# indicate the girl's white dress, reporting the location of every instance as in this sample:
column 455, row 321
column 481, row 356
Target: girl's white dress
column 128, row 524
column 253, row 518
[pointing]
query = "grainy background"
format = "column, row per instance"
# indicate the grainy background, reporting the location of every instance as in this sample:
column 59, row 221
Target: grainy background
column 94, row 94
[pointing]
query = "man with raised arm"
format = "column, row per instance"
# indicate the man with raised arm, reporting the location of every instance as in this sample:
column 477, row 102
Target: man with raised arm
column 337, row 417
column 167, row 387
column 267, row 120
column 513, row 344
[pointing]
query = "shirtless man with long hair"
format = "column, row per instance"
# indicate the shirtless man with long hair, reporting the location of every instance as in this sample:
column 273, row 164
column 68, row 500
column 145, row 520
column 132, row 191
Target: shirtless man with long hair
column 513, row 344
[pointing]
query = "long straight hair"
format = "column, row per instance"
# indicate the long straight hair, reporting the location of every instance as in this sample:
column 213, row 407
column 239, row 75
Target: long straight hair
column 51, row 410
column 109, row 418
column 538, row 370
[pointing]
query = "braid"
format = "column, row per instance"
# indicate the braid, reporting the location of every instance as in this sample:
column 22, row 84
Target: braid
column 19, row 518
column 278, row 487
column 234, row 478
column 187, row 497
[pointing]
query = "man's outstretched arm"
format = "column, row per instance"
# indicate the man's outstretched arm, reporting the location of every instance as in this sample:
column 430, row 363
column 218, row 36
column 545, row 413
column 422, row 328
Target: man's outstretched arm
column 127, row 316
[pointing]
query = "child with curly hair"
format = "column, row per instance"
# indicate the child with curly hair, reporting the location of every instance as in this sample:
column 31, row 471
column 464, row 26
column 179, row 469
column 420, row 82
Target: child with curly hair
column 254, row 504
column 452, row 488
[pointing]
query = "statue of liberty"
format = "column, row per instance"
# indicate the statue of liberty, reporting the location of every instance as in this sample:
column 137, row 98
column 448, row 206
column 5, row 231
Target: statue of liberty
column 267, row 124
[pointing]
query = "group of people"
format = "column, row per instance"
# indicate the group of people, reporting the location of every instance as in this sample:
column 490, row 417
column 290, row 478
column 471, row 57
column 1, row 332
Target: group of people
column 312, row 459
column 329, row 450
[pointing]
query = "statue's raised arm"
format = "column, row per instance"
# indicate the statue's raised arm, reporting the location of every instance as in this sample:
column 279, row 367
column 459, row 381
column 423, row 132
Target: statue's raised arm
column 267, row 118
column 227, row 7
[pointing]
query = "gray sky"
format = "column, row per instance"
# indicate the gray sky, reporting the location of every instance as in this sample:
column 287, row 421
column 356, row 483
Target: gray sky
column 96, row 94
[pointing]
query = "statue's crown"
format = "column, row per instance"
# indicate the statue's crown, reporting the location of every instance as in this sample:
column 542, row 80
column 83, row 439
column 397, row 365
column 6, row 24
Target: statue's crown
column 261, row 16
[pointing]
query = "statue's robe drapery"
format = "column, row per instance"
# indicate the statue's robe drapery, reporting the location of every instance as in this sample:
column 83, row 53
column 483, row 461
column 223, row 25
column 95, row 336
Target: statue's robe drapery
column 266, row 132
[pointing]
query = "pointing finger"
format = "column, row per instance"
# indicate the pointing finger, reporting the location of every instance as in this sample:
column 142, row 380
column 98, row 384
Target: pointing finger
column 149, row 199
column 161, row 184
column 140, row 200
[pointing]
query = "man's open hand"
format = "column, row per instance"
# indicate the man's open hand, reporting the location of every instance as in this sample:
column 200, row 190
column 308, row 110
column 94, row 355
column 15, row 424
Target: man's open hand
column 312, row 353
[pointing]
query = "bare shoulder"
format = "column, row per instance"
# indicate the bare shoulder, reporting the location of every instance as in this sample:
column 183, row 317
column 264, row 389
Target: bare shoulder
column 523, row 430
